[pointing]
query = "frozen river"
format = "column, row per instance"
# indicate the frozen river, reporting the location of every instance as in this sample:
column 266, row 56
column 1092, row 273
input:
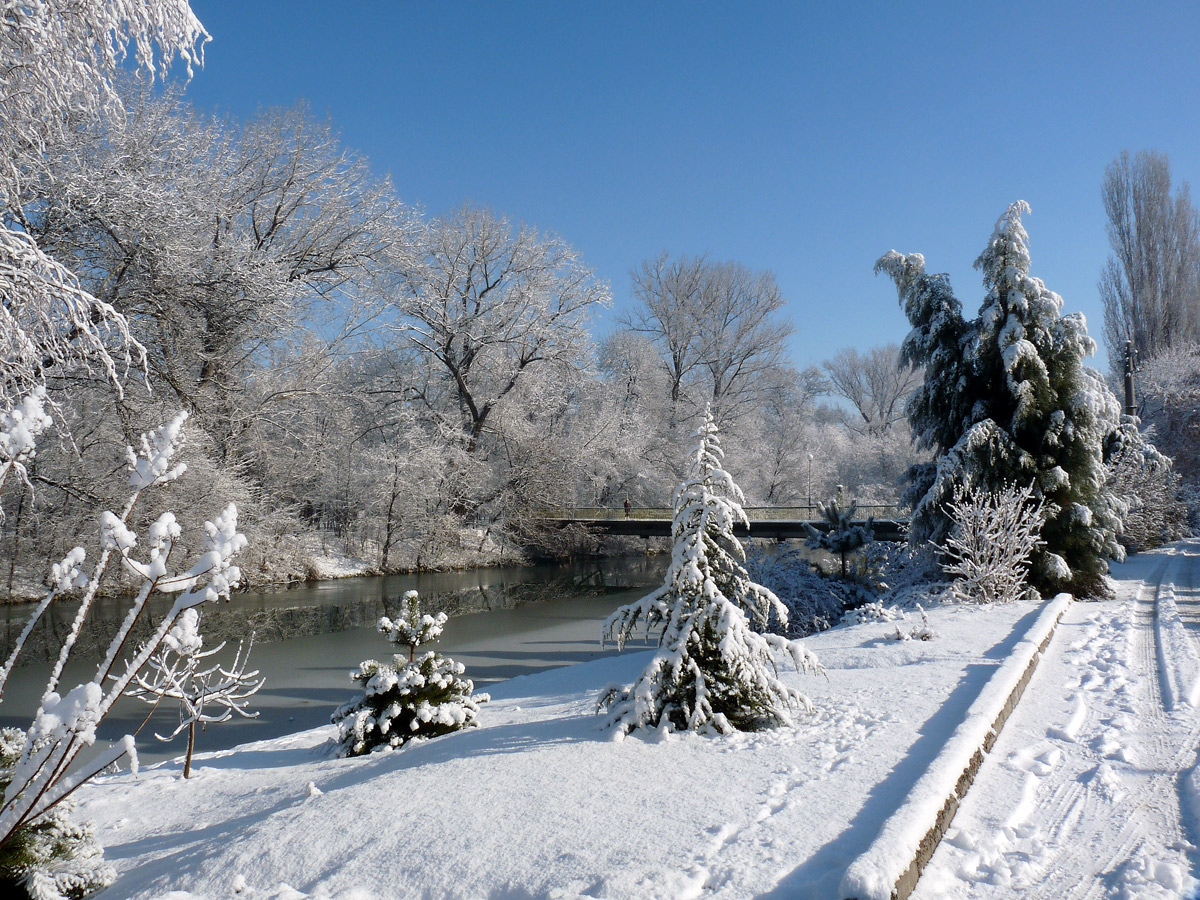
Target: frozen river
column 504, row 622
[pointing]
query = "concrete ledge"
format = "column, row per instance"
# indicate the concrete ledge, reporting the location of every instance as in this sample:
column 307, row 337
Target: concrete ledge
column 892, row 864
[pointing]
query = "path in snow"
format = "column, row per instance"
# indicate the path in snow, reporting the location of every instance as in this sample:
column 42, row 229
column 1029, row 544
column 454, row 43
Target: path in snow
column 1086, row 793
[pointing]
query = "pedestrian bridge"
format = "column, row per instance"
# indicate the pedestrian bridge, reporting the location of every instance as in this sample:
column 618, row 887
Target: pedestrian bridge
column 767, row 522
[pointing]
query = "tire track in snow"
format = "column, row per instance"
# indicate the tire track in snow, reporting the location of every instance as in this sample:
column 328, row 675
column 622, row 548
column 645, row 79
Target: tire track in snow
column 1116, row 758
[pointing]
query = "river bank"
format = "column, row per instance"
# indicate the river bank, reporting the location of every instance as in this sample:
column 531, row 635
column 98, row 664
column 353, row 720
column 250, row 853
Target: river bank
column 500, row 629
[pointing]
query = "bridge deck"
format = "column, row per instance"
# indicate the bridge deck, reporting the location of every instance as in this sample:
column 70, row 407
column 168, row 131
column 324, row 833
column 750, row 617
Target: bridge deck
column 767, row 524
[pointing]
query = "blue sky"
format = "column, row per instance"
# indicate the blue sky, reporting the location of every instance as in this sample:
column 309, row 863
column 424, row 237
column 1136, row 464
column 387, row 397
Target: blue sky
column 801, row 138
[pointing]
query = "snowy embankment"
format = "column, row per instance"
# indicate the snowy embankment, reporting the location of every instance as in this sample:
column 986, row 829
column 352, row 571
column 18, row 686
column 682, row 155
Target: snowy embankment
column 908, row 837
column 1092, row 791
column 539, row 802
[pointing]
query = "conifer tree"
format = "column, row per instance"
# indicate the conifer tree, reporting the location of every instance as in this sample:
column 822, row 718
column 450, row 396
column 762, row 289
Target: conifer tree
column 841, row 535
column 1007, row 400
column 408, row 698
column 712, row 669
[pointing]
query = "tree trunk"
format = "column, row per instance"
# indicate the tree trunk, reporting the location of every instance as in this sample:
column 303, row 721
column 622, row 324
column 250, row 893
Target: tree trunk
column 187, row 762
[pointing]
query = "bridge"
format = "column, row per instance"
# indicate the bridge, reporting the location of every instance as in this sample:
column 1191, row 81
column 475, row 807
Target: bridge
column 766, row 522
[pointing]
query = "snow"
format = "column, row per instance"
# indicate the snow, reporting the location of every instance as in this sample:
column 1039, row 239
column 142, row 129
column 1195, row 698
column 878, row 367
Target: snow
column 1091, row 790
column 538, row 801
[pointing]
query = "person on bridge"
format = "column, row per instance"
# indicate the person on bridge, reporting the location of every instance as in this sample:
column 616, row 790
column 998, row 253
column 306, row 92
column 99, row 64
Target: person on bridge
column 628, row 507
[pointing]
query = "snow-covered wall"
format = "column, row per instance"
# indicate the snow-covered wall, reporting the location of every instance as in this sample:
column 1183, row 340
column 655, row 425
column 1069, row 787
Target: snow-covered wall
column 892, row 864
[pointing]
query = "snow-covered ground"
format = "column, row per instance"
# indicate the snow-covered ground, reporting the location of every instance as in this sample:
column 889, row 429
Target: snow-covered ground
column 1091, row 790
column 1080, row 796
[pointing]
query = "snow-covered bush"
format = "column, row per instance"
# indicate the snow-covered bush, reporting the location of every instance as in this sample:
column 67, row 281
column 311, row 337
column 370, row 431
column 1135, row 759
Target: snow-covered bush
column 920, row 632
column 841, row 534
column 407, row 698
column 811, row 601
column 712, row 669
column 994, row 535
column 1147, row 484
column 54, row 856
column 44, row 773
column 176, row 672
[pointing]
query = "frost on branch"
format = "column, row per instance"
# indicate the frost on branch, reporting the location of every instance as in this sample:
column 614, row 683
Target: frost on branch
column 408, row 698
column 44, row 772
column 205, row 693
column 994, row 535
column 20, row 426
column 153, row 464
column 712, row 669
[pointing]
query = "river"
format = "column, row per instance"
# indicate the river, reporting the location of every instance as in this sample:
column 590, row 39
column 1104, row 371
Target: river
column 504, row 622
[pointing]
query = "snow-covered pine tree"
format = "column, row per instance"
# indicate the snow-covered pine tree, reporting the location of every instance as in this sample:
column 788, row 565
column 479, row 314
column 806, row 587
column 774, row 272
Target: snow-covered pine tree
column 54, row 856
column 408, row 698
column 1008, row 400
column 841, row 535
column 712, row 669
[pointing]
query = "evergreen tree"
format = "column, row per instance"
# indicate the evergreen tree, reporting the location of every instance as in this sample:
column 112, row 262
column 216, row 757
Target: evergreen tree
column 712, row 669
column 1007, row 400
column 52, row 856
column 409, row 698
column 842, row 536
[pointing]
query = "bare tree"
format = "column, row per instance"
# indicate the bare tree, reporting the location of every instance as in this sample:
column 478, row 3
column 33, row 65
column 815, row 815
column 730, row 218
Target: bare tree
column 877, row 383
column 718, row 327
column 492, row 305
column 1150, row 286
column 669, row 293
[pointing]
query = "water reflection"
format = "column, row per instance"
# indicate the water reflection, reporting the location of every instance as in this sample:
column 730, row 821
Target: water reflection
column 327, row 607
column 524, row 620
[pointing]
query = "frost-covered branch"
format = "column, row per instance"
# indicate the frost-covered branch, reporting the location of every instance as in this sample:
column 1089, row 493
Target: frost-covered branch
column 205, row 694
column 65, row 723
column 988, row 551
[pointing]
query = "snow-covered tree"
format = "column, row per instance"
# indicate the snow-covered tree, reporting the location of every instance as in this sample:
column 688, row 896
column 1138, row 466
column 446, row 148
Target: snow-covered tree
column 712, row 668
column 491, row 306
column 842, row 534
column 54, row 856
column 994, row 535
column 206, row 694
column 1007, row 399
column 408, row 698
column 45, row 774
column 57, row 65
column 1147, row 485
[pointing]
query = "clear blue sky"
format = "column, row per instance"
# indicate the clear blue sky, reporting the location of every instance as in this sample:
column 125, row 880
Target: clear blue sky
column 801, row 138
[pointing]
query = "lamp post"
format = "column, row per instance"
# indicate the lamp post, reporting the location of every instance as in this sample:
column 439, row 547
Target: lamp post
column 808, row 484
column 1130, row 368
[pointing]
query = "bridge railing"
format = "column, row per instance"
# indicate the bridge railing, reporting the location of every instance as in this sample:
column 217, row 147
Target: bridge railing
column 753, row 513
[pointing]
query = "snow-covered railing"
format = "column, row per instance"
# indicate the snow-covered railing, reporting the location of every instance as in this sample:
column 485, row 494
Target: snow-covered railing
column 892, row 864
column 753, row 513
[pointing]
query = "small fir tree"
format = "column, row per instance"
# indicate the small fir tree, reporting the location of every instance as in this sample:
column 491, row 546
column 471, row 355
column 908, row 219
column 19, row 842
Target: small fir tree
column 712, row 669
column 842, row 534
column 52, row 856
column 408, row 698
column 1007, row 399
